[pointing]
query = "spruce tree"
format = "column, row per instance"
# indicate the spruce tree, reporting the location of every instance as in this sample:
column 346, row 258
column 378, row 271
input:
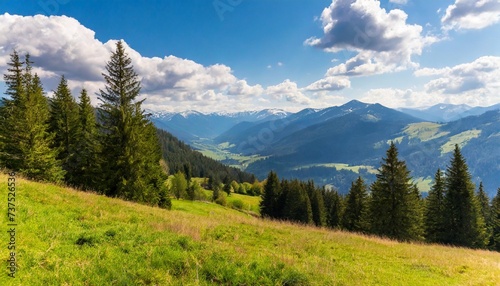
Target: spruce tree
column 227, row 185
column 131, row 149
column 318, row 207
column 215, row 193
column 268, row 204
column 188, row 171
column 297, row 205
column 334, row 208
column 279, row 208
column 150, row 186
column 356, row 214
column 10, row 154
column 317, row 203
column 87, row 149
column 24, row 132
column 416, row 206
column 63, row 123
column 393, row 199
column 485, row 211
column 495, row 222
column 435, row 211
column 463, row 222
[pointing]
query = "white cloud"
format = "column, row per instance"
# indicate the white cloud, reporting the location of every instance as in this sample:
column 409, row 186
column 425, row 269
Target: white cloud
column 289, row 91
column 474, row 84
column 330, row 83
column 395, row 98
column 384, row 42
column 58, row 44
column 471, row 14
column 400, row 2
column 430, row 71
column 61, row 45
column 480, row 76
column 241, row 88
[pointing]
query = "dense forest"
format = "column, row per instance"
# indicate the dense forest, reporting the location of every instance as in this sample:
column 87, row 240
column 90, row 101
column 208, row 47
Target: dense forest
column 58, row 139
column 180, row 157
column 453, row 213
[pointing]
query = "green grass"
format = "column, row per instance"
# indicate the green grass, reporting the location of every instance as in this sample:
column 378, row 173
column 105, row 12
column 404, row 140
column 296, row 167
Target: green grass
column 461, row 139
column 66, row 237
column 221, row 153
column 424, row 131
column 249, row 203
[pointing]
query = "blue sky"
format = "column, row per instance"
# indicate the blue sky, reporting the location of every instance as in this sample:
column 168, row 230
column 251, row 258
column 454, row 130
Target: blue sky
column 229, row 55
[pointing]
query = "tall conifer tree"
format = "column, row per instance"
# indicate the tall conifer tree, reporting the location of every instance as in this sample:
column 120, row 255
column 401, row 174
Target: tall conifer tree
column 318, row 207
column 297, row 204
column 10, row 154
column 485, row 211
column 87, row 160
column 269, row 202
column 393, row 200
column 495, row 222
column 39, row 162
column 130, row 146
column 63, row 123
column 24, row 132
column 463, row 221
column 334, row 208
column 435, row 211
column 356, row 214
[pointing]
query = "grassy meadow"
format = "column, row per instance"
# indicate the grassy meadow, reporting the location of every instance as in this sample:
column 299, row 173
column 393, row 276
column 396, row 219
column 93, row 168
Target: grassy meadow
column 67, row 237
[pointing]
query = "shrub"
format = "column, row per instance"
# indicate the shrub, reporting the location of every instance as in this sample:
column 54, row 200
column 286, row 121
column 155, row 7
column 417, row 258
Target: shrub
column 237, row 204
column 221, row 200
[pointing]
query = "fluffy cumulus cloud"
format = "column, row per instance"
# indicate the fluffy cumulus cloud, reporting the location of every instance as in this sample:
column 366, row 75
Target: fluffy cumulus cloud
column 383, row 41
column 471, row 14
column 61, row 45
column 479, row 77
column 58, row 44
column 330, row 83
column 289, row 91
column 395, row 98
column 242, row 88
column 474, row 83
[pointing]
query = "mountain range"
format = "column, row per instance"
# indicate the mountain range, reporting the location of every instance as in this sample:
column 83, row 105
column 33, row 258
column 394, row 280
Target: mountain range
column 447, row 112
column 334, row 145
column 194, row 125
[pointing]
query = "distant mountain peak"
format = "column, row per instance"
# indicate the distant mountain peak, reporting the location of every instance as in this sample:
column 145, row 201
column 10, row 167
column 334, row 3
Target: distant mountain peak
column 356, row 104
column 188, row 113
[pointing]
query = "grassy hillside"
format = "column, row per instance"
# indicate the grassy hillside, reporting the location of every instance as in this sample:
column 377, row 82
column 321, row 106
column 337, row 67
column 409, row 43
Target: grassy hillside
column 66, row 237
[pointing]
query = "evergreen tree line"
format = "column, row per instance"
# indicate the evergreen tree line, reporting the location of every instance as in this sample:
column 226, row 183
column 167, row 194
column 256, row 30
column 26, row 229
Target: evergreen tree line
column 452, row 213
column 181, row 158
column 115, row 152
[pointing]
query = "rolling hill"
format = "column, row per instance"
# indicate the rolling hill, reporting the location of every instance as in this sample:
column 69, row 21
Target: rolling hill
column 67, row 237
column 334, row 145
